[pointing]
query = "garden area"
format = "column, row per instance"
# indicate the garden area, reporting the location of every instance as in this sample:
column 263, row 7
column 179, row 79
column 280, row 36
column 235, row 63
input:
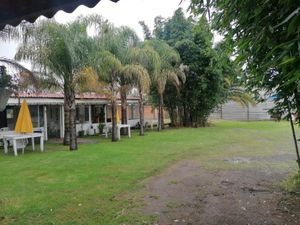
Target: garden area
column 218, row 83
column 143, row 179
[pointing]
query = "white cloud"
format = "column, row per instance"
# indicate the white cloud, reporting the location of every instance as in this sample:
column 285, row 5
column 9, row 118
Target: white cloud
column 127, row 12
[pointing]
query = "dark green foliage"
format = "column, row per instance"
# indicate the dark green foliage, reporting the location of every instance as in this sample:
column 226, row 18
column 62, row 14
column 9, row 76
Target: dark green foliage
column 265, row 35
column 203, row 88
column 147, row 32
column 174, row 29
column 5, row 79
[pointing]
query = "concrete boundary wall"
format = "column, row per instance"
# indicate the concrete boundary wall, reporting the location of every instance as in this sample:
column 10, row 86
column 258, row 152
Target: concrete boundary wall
column 234, row 111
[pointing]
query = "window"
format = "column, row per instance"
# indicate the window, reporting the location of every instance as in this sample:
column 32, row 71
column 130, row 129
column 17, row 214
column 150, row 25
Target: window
column 86, row 114
column 34, row 115
column 134, row 112
column 108, row 113
column 98, row 114
column 82, row 114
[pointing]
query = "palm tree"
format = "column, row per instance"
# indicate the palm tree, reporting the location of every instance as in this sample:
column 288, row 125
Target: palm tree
column 125, row 39
column 176, row 77
column 141, row 80
column 148, row 58
column 117, row 41
column 169, row 70
column 109, row 70
column 59, row 52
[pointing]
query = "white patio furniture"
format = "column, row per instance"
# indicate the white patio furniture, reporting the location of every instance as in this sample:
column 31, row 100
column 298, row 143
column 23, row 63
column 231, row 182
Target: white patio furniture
column 4, row 129
column 119, row 126
column 19, row 140
column 5, row 132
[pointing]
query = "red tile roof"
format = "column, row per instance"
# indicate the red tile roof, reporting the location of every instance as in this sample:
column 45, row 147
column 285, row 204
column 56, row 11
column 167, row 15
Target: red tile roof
column 61, row 96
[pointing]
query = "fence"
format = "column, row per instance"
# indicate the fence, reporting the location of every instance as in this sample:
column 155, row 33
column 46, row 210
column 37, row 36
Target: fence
column 234, row 111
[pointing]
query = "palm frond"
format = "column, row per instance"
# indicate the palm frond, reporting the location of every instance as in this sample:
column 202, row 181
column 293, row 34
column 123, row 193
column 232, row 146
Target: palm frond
column 239, row 95
column 87, row 80
column 139, row 77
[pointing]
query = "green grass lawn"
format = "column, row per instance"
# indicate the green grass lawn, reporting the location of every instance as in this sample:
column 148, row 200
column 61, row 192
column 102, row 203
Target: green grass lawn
column 91, row 185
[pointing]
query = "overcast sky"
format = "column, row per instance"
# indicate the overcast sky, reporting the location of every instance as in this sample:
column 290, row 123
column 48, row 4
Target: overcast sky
column 125, row 12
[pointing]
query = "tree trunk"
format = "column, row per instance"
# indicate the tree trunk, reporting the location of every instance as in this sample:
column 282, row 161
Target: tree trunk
column 294, row 136
column 186, row 116
column 180, row 115
column 124, row 111
column 72, row 108
column 158, row 119
column 114, row 136
column 67, row 123
column 172, row 115
column 162, row 116
column 297, row 101
column 160, row 113
column 141, row 111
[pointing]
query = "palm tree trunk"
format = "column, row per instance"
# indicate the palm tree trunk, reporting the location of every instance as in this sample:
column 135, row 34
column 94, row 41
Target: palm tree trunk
column 67, row 117
column 141, row 111
column 162, row 120
column 124, row 111
column 114, row 119
column 67, row 123
column 160, row 124
column 158, row 119
column 72, row 108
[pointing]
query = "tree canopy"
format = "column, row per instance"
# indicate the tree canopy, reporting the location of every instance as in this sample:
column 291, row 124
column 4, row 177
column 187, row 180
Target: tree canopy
column 201, row 87
column 265, row 37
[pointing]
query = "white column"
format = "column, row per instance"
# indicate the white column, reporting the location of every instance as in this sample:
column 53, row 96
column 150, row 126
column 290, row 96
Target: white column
column 38, row 115
column 105, row 114
column 62, row 121
column 45, row 123
column 90, row 114
column 127, row 106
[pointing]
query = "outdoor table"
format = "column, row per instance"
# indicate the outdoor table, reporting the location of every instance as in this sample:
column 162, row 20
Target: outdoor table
column 119, row 126
column 14, row 137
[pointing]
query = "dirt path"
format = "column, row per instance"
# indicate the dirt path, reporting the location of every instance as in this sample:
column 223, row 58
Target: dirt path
column 188, row 194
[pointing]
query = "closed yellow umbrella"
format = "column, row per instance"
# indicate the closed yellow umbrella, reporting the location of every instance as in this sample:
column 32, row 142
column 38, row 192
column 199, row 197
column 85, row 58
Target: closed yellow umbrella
column 24, row 124
column 118, row 117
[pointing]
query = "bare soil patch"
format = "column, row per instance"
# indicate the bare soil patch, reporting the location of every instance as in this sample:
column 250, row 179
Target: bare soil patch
column 188, row 194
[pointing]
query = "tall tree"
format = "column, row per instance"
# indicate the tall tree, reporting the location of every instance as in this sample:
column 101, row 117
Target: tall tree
column 174, row 29
column 202, row 90
column 139, row 77
column 57, row 51
column 146, row 30
column 117, row 41
column 126, row 39
column 109, row 71
column 146, row 58
column 168, row 71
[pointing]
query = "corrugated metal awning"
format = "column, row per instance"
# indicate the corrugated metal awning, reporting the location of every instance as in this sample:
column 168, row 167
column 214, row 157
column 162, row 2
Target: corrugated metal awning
column 12, row 12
